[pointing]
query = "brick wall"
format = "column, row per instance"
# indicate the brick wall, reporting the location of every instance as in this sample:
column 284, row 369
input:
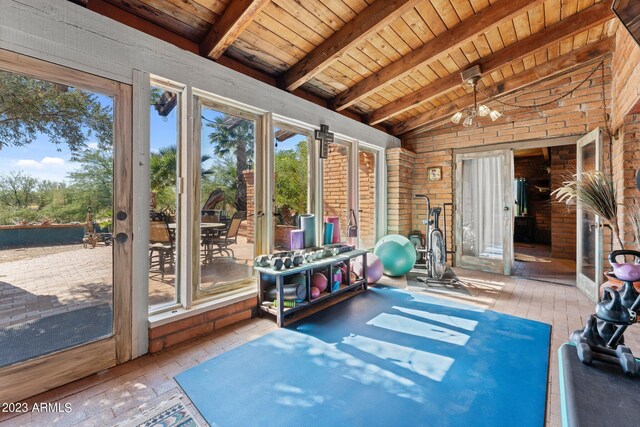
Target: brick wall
column 335, row 182
column 401, row 167
column 200, row 325
column 534, row 170
column 574, row 115
column 249, row 229
column 626, row 78
column 367, row 197
column 563, row 219
column 626, row 160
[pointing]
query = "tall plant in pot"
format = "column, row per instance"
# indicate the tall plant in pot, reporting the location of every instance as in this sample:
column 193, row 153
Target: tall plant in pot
column 595, row 192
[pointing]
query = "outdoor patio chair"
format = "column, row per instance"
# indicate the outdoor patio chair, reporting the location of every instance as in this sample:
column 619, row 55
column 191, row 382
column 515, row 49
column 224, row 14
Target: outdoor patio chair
column 229, row 236
column 160, row 245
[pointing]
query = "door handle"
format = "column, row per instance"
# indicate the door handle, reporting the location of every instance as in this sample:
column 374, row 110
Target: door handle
column 506, row 208
column 121, row 237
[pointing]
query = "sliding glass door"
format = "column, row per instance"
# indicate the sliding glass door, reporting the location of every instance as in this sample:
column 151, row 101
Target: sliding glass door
column 484, row 211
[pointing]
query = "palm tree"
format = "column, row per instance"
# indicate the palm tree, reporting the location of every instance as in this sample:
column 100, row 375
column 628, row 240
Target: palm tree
column 234, row 135
column 163, row 173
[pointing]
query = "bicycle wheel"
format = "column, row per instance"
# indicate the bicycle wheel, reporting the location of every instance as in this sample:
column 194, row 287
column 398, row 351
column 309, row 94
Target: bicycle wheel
column 439, row 255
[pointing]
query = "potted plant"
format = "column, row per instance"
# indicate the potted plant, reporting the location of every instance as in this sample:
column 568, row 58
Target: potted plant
column 595, row 191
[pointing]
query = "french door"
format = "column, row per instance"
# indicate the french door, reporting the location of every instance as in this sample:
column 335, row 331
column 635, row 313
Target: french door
column 484, row 211
column 65, row 277
column 589, row 227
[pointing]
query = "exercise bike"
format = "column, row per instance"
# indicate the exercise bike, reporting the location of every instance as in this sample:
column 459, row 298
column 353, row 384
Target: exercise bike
column 435, row 250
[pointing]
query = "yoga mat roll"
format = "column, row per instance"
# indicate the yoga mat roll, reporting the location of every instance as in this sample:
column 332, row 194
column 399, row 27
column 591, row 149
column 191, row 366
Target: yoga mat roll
column 335, row 220
column 291, row 292
column 296, row 238
column 308, row 226
column 328, row 233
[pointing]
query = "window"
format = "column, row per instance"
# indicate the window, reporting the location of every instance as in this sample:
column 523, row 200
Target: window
column 227, row 200
column 164, row 129
column 367, row 199
column 336, row 188
column 291, row 183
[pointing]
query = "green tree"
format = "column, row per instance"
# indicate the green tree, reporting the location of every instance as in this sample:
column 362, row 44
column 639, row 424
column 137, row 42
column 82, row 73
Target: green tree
column 233, row 135
column 29, row 107
column 92, row 181
column 291, row 169
column 18, row 190
column 163, row 166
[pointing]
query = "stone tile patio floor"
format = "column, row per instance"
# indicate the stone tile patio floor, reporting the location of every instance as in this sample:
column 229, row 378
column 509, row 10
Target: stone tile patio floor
column 119, row 393
column 44, row 281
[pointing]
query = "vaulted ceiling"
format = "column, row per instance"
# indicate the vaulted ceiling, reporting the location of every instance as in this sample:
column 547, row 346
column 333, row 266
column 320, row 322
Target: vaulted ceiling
column 390, row 63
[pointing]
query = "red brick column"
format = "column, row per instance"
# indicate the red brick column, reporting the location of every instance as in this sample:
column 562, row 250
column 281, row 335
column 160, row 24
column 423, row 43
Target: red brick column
column 400, row 172
column 251, row 205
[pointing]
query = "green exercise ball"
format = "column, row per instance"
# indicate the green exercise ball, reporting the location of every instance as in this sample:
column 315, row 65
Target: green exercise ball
column 397, row 254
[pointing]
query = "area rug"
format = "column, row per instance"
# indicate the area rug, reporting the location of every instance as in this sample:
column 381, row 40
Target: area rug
column 449, row 284
column 52, row 333
column 386, row 357
column 171, row 413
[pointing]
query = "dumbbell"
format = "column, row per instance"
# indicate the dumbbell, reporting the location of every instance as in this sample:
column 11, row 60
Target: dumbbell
column 297, row 260
column 276, row 263
column 261, row 261
column 287, row 262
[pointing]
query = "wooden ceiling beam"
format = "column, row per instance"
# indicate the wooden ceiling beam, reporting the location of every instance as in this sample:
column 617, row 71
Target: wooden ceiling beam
column 574, row 24
column 366, row 23
column 434, row 49
column 559, row 66
column 235, row 18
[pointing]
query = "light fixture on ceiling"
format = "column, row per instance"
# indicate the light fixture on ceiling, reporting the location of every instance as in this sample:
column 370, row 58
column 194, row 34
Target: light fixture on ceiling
column 471, row 77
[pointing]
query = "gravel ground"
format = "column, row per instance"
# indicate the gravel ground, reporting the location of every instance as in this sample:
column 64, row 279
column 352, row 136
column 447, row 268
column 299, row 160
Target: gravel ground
column 18, row 254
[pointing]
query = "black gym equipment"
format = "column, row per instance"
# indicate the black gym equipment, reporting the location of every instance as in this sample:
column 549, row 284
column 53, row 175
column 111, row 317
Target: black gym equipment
column 435, row 251
column 599, row 394
column 602, row 337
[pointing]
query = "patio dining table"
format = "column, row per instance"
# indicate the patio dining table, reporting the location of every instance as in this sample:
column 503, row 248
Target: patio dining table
column 208, row 230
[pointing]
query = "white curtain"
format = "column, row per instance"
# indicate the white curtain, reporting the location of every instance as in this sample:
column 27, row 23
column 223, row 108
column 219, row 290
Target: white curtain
column 482, row 205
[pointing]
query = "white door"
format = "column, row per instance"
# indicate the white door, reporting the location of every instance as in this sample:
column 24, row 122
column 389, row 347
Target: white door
column 484, row 211
column 589, row 227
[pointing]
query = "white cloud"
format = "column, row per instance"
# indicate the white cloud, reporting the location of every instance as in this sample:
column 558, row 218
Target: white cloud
column 48, row 162
column 28, row 163
column 52, row 161
column 92, row 146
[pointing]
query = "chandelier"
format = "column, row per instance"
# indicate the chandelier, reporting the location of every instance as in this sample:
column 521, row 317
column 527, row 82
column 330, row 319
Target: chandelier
column 471, row 77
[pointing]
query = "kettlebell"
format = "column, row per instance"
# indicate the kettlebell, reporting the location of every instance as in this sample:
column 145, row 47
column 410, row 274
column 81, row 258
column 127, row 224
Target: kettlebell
column 628, row 294
column 610, row 309
column 590, row 333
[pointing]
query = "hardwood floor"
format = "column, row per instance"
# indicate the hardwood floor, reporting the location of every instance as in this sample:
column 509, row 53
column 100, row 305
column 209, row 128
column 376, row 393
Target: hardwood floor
column 116, row 394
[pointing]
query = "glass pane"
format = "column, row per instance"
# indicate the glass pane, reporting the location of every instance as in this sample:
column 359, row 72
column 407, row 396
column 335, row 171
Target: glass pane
column 56, row 186
column 588, row 252
column 482, row 207
column 163, row 252
column 336, row 179
column 291, row 184
column 227, row 199
column 367, row 198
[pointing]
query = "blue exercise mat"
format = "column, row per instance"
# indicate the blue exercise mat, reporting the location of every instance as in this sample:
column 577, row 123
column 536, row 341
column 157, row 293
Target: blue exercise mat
column 386, row 357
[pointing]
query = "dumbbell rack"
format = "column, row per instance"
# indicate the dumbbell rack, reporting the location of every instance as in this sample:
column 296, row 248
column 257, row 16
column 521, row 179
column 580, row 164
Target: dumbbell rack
column 306, row 268
column 602, row 337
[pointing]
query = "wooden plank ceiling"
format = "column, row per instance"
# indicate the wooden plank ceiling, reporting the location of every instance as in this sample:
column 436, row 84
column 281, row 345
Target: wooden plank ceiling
column 392, row 63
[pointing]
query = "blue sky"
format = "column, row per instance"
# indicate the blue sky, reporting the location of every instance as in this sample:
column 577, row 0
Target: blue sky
column 44, row 160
